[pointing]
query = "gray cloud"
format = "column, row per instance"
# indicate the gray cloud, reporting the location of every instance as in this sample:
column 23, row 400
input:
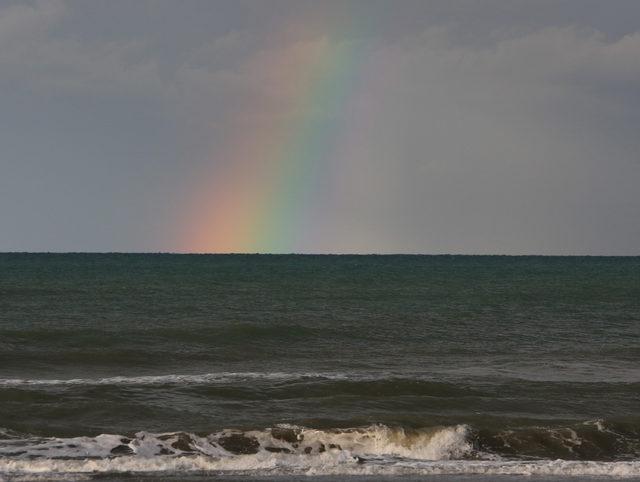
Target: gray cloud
column 481, row 127
column 504, row 148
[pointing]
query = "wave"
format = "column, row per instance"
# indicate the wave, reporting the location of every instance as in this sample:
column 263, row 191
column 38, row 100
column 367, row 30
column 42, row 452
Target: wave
column 435, row 443
column 277, row 384
column 222, row 378
column 206, row 378
column 289, row 449
column 622, row 377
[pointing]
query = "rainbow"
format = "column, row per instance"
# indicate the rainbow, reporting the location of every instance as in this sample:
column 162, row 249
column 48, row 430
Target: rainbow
column 272, row 174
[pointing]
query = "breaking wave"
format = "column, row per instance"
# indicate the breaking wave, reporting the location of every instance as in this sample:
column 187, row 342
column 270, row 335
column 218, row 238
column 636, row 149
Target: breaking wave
column 287, row 449
column 436, row 443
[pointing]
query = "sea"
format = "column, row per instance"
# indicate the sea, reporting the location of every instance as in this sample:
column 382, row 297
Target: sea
column 329, row 367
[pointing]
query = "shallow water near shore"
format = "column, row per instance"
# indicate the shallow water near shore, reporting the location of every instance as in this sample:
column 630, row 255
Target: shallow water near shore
column 275, row 367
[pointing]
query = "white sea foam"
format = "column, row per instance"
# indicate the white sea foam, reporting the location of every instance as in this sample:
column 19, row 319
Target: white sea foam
column 205, row 378
column 325, row 464
column 374, row 450
column 436, row 443
column 584, row 372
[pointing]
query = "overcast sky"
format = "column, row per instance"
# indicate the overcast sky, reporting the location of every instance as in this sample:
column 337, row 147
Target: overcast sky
column 504, row 127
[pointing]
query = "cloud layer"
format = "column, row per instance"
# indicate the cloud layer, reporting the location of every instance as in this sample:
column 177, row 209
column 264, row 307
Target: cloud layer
column 468, row 134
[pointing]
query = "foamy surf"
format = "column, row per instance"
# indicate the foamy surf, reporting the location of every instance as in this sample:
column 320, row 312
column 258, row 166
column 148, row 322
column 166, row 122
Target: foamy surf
column 435, row 443
column 325, row 464
column 282, row 450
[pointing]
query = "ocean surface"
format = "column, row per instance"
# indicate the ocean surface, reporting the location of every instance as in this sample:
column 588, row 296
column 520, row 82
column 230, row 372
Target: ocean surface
column 286, row 367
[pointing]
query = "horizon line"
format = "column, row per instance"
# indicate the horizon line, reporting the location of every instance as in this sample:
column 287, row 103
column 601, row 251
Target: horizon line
column 188, row 253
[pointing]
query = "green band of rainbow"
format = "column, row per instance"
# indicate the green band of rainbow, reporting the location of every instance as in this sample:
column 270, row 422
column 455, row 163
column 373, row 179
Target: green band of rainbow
column 273, row 175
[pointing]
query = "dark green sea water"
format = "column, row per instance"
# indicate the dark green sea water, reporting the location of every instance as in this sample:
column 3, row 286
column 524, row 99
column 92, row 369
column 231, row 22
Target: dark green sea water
column 319, row 365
